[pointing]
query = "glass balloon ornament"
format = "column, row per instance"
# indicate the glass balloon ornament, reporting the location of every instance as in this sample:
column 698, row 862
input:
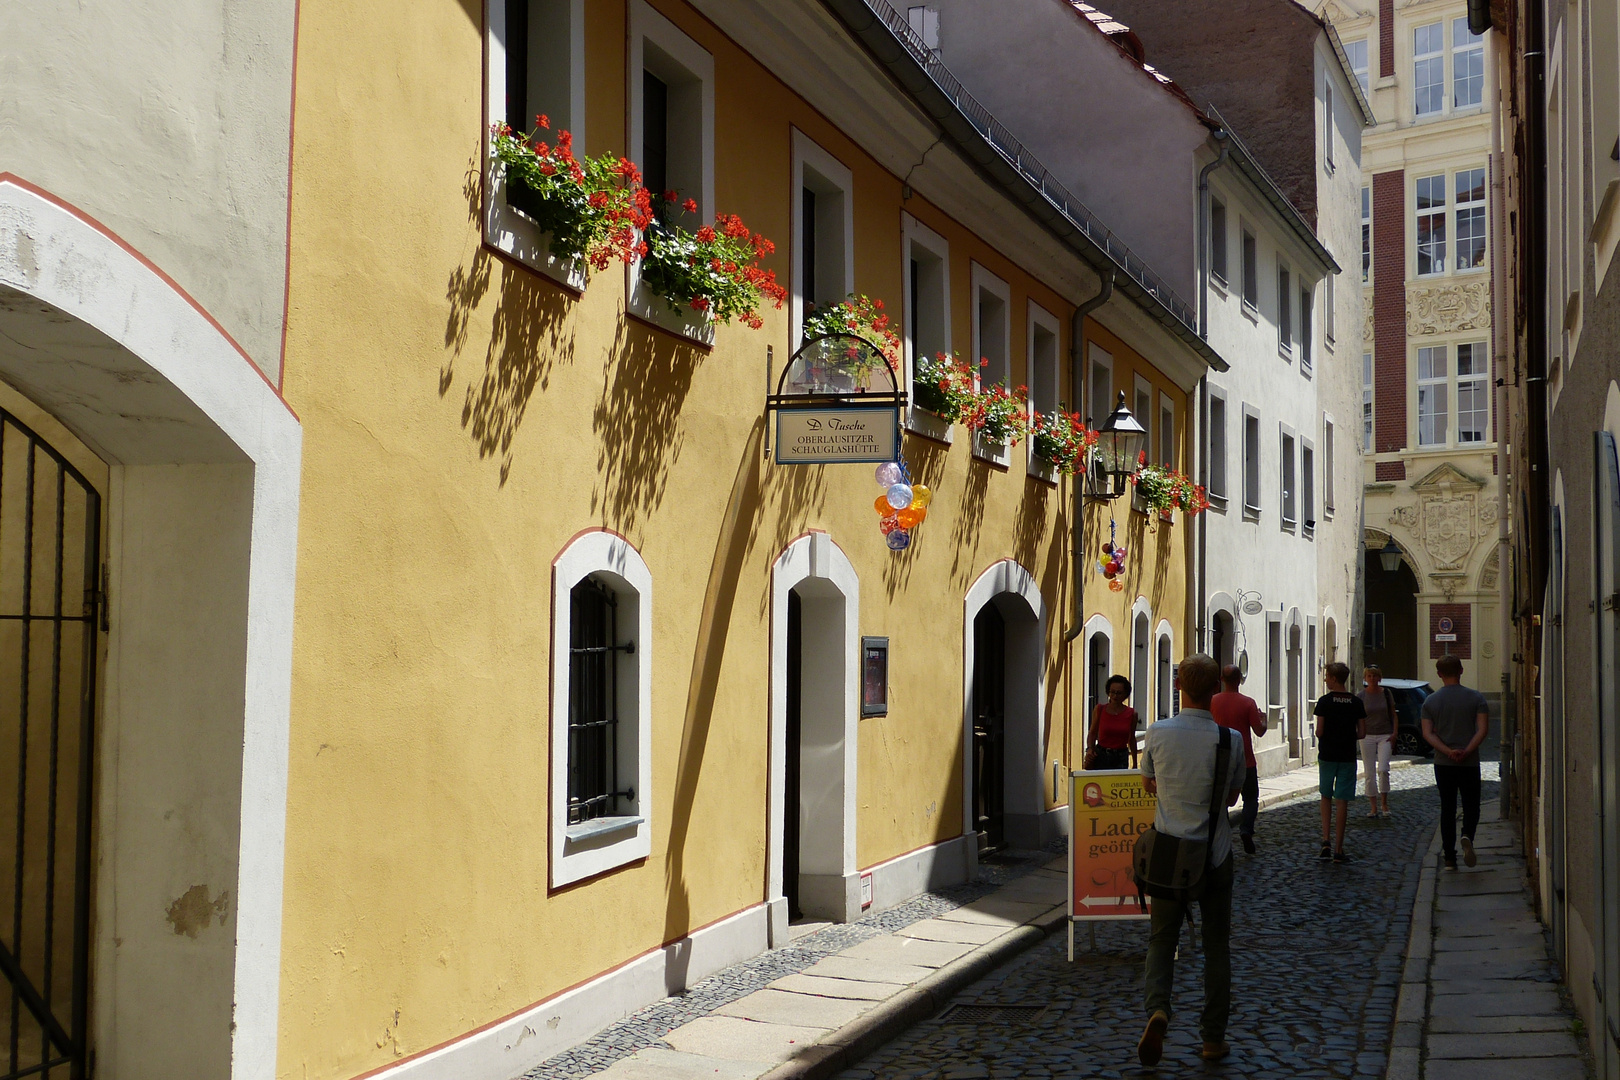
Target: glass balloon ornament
column 881, row 505
column 900, row 496
column 889, row 474
column 921, row 496
column 911, row 517
column 899, row 540
column 888, row 524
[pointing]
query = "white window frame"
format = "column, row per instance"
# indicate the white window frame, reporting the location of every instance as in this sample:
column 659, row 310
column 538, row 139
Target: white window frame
column 1327, row 467
column 1287, row 477
column 983, row 281
column 1366, row 233
column 1330, row 310
column 1285, row 306
column 1164, row 667
column 814, row 167
column 1472, row 48
column 1327, row 123
column 649, row 27
column 1479, row 379
column 1167, row 431
column 1440, row 214
column 595, row 847
column 1142, row 392
column 1477, row 210
column 1099, row 359
column 1443, row 383
column 507, row 230
column 917, row 237
column 1253, row 461
column 1218, row 242
column 1368, row 432
column 1216, row 442
column 1097, row 626
column 1433, row 56
column 1276, row 649
column 1307, row 487
column 1307, row 326
column 1038, row 318
column 1354, row 50
column 1250, row 272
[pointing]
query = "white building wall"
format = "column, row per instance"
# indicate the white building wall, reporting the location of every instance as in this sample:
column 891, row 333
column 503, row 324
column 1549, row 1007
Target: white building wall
column 1253, row 556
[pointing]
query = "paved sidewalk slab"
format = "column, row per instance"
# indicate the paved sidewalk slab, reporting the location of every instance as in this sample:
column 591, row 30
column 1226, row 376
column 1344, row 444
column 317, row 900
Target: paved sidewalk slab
column 805, row 983
column 736, row 1039
column 1503, row 1045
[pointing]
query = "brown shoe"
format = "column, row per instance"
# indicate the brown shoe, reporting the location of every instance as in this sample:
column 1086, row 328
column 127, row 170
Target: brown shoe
column 1215, row 1051
column 1150, row 1048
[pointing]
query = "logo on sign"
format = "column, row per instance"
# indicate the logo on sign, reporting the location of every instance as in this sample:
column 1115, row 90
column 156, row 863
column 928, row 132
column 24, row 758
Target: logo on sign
column 1446, row 625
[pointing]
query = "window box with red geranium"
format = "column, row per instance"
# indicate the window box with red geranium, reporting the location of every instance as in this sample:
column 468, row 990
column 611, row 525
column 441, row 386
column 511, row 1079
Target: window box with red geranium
column 709, row 277
column 1061, row 443
column 585, row 211
column 998, row 420
column 1163, row 490
column 942, row 393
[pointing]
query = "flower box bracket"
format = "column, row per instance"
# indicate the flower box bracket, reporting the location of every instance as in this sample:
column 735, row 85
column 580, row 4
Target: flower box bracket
column 837, row 402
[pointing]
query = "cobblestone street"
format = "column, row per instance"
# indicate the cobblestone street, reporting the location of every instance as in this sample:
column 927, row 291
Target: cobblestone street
column 1317, row 951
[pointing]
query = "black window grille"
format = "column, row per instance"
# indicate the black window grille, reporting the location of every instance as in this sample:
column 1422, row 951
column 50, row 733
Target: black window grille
column 593, row 704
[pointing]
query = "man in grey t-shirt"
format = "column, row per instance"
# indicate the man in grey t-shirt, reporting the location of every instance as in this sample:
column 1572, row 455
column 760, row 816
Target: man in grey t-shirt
column 1455, row 720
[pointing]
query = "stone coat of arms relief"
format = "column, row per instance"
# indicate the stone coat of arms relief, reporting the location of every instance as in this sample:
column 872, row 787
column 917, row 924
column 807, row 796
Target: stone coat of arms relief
column 1446, row 309
column 1446, row 523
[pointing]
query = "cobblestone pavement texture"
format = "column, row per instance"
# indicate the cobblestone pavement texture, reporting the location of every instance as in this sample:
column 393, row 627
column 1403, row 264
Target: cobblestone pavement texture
column 1317, row 955
column 647, row 1027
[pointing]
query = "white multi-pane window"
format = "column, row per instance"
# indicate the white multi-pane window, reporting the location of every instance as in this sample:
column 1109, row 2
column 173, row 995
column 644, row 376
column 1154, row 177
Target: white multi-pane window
column 1288, row 479
column 1431, row 224
column 1251, row 271
column 1470, row 188
column 1251, row 460
column 1366, row 402
column 1330, row 313
column 1305, row 333
column 1467, row 65
column 1366, row 234
column 1473, row 393
column 1167, row 431
column 1217, row 446
column 1327, row 124
column 1217, row 240
column 1357, row 52
column 1327, row 467
column 1434, row 384
column 1307, row 484
column 1429, row 69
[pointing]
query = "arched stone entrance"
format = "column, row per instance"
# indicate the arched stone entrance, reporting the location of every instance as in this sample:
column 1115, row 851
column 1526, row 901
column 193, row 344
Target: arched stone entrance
column 202, row 460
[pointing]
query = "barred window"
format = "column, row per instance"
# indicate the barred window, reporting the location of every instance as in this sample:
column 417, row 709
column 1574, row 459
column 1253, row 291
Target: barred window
column 594, row 786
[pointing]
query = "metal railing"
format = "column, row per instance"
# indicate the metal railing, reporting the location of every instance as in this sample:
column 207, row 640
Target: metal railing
column 1019, row 156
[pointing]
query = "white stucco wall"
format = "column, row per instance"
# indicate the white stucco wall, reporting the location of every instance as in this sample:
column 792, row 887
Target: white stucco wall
column 1338, row 378
column 168, row 123
column 1256, row 556
column 1117, row 138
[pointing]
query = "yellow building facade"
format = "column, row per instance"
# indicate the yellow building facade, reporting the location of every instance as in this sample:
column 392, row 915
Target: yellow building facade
column 500, row 451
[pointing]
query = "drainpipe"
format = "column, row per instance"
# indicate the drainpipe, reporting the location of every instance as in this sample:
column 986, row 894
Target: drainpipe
column 1077, row 380
column 1201, row 603
column 1504, row 430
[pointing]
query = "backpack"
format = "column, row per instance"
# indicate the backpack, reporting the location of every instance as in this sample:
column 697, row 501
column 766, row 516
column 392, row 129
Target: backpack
column 1172, row 867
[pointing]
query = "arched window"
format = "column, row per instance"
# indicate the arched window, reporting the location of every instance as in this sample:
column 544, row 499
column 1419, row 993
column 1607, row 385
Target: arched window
column 1141, row 666
column 1164, row 692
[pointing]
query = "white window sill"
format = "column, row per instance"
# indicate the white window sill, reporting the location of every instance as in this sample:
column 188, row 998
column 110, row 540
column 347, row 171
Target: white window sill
column 994, row 453
column 514, row 233
column 1218, row 283
column 1042, row 470
column 1251, row 312
column 599, row 846
column 1286, row 353
column 1250, row 512
column 1289, row 524
column 1217, row 503
column 652, row 308
column 601, row 828
column 929, row 425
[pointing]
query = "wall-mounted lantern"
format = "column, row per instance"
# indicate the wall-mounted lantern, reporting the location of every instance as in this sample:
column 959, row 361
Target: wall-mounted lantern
column 1389, row 556
column 1118, row 453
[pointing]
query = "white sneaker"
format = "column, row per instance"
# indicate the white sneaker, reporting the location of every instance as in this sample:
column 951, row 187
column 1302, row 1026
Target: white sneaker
column 1468, row 852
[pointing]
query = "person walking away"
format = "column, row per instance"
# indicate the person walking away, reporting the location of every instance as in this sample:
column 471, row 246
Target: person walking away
column 1455, row 721
column 1383, row 724
column 1239, row 712
column 1340, row 726
column 1112, row 742
column 1178, row 766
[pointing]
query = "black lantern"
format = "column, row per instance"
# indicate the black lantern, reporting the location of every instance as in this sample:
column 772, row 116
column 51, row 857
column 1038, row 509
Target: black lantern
column 1118, row 453
column 1389, row 556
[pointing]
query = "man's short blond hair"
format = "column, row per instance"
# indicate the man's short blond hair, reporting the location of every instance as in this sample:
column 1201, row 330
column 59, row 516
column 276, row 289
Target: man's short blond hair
column 1200, row 677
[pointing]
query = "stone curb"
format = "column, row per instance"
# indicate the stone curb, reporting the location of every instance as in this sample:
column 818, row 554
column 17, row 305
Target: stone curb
column 1412, row 1005
column 911, row 1006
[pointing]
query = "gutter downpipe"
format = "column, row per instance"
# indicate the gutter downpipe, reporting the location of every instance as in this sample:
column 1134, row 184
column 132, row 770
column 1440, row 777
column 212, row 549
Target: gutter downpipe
column 1504, row 428
column 1201, row 603
column 1077, row 380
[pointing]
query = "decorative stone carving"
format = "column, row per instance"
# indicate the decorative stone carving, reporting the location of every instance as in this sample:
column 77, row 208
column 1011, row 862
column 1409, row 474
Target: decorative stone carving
column 1444, row 525
column 1447, row 584
column 1367, row 325
column 1493, row 566
column 1487, row 512
column 1445, row 309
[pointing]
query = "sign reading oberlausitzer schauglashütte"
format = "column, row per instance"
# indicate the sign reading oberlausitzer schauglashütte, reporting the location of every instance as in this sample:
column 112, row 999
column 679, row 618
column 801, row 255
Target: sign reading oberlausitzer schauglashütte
column 836, row 434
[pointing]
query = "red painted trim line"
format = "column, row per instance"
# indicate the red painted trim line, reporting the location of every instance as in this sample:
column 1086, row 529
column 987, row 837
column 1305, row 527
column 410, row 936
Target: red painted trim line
column 13, row 178
column 380, row 1070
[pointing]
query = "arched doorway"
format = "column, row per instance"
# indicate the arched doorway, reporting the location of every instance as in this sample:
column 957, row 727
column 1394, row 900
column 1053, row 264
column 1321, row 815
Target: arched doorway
column 1005, row 732
column 1296, row 733
column 1391, row 640
column 813, row 736
column 1141, row 665
column 1223, row 640
column 201, row 515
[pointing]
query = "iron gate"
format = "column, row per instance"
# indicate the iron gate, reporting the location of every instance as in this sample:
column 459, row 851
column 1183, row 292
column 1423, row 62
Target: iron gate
column 50, row 552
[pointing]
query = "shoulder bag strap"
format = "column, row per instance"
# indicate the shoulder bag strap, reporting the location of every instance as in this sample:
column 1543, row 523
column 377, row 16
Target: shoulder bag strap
column 1217, row 800
column 1394, row 717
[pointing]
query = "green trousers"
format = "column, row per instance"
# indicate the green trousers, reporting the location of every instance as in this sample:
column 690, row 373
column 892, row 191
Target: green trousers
column 1214, row 935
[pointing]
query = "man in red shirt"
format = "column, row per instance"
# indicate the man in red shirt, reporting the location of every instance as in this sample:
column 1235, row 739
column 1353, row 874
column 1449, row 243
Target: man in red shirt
column 1240, row 713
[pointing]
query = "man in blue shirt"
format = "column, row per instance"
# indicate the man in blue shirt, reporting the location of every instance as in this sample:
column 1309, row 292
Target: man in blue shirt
column 1178, row 766
column 1455, row 721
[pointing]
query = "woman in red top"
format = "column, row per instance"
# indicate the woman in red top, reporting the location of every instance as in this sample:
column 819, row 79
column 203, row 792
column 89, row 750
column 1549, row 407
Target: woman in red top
column 1113, row 728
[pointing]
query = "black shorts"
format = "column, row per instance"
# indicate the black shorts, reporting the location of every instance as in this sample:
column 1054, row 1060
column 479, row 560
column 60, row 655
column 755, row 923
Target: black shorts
column 1113, row 759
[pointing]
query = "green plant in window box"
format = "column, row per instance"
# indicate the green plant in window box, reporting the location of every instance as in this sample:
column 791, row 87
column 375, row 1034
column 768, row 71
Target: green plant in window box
column 944, row 386
column 714, row 271
column 998, row 414
column 591, row 208
column 862, row 316
column 1061, row 440
column 1166, row 490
